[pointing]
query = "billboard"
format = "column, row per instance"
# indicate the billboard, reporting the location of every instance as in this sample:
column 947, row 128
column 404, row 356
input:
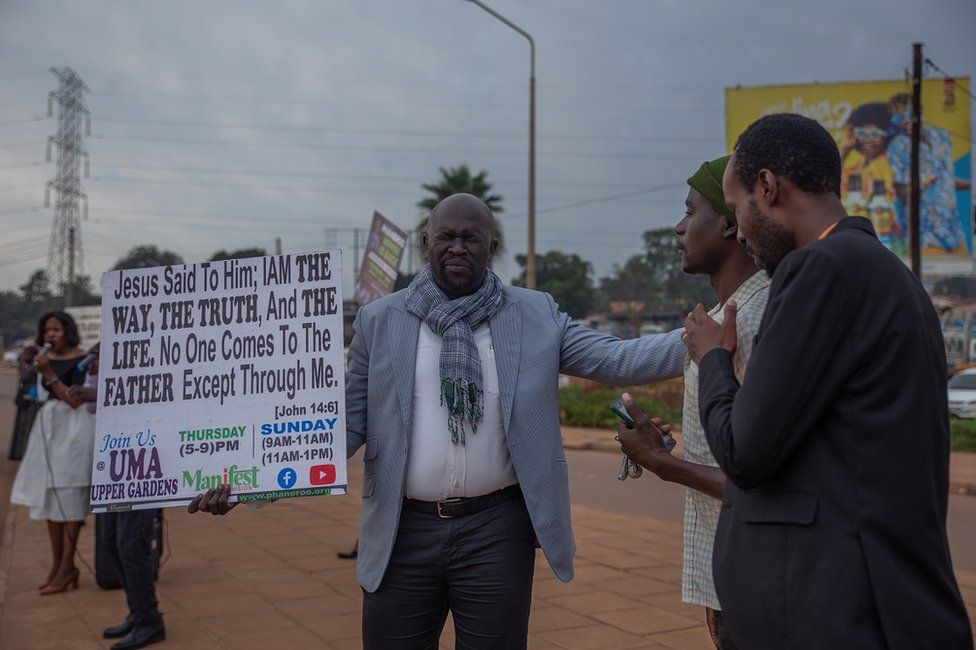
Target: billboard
column 384, row 250
column 870, row 121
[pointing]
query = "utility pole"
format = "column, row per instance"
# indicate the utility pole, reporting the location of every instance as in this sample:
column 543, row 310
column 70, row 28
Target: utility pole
column 64, row 254
column 277, row 245
column 914, row 191
column 530, row 274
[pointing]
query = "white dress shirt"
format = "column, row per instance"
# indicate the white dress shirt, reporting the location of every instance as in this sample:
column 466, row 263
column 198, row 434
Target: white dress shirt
column 437, row 469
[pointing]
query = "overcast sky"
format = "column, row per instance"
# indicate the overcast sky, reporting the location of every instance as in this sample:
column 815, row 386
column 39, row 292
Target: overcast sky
column 226, row 124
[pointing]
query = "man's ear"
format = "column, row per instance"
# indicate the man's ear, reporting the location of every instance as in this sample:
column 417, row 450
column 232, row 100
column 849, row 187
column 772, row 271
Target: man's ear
column 492, row 247
column 767, row 188
column 731, row 230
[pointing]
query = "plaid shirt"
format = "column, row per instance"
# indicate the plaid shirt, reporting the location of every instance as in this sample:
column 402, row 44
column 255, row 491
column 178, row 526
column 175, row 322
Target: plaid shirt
column 701, row 510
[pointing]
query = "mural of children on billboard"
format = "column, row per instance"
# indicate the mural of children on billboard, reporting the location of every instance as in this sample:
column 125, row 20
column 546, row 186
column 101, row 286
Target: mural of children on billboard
column 939, row 223
column 867, row 183
column 871, row 122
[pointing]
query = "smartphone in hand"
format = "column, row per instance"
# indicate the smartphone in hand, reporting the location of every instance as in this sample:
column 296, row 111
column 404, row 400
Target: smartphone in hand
column 618, row 408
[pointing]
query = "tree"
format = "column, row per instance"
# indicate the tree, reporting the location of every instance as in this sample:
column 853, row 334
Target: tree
column 238, row 254
column 144, row 257
column 656, row 277
column 83, row 293
column 679, row 291
column 566, row 278
column 459, row 179
column 36, row 292
column 20, row 310
column 454, row 180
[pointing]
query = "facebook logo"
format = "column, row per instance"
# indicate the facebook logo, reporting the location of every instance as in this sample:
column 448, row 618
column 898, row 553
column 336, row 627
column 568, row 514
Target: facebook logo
column 287, row 478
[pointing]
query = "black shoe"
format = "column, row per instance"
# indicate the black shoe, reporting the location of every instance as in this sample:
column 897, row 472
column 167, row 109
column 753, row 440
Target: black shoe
column 141, row 636
column 120, row 630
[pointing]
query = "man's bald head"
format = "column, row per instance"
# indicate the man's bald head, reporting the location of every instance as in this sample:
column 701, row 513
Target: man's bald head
column 461, row 205
column 460, row 243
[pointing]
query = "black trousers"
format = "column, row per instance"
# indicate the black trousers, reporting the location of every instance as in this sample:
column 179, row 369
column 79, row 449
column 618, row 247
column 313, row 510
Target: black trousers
column 478, row 567
column 128, row 540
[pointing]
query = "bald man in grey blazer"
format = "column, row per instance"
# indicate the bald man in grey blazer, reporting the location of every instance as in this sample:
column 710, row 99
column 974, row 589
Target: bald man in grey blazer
column 449, row 526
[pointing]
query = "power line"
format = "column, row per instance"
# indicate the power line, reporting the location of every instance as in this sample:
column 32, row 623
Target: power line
column 11, row 188
column 14, row 122
column 572, row 107
column 35, row 163
column 319, row 81
column 602, row 199
column 126, row 165
column 402, row 132
column 21, row 145
column 413, row 150
column 945, row 74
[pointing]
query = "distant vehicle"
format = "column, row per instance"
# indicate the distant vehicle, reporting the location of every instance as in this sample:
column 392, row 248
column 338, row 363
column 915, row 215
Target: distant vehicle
column 962, row 394
column 10, row 357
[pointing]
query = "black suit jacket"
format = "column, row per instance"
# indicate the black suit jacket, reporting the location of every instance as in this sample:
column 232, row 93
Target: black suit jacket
column 836, row 447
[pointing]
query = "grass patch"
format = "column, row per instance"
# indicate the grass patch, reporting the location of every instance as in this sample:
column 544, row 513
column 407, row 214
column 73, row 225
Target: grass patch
column 579, row 407
column 963, row 434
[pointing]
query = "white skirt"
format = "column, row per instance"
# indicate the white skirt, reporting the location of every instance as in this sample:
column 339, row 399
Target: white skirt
column 54, row 477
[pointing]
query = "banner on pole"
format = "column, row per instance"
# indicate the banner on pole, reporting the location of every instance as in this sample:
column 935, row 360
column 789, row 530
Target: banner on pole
column 381, row 263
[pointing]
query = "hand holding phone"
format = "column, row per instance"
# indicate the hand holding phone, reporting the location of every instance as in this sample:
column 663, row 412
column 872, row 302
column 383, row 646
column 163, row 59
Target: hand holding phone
column 618, row 408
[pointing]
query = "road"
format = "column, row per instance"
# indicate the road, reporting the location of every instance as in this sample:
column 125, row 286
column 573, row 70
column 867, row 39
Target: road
column 593, row 482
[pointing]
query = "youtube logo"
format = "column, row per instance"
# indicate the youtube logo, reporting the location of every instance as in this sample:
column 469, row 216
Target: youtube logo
column 322, row 475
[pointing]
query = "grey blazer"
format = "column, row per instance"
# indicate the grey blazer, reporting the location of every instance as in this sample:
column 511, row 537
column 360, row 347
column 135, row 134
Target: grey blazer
column 534, row 342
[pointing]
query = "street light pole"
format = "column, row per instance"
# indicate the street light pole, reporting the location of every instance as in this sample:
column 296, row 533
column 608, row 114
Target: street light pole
column 530, row 277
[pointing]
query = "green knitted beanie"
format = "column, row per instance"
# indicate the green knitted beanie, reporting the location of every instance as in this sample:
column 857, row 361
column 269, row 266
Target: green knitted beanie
column 708, row 181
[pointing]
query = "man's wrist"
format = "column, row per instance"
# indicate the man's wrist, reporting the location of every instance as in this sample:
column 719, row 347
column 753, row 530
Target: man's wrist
column 658, row 462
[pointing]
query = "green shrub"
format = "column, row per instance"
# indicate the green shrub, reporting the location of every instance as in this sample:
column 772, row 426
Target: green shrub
column 591, row 408
column 963, row 434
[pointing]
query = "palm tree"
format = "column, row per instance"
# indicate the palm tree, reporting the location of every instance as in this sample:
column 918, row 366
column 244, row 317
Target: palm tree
column 454, row 180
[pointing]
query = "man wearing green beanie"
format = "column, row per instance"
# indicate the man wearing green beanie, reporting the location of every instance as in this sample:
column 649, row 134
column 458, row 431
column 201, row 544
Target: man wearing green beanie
column 708, row 245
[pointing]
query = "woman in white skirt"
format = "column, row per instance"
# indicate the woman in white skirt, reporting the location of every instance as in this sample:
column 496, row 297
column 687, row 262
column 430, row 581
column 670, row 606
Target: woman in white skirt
column 55, row 476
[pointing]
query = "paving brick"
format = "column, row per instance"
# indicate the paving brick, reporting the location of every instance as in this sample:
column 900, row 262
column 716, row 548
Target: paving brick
column 593, row 602
column 595, row 637
column 543, row 619
column 645, row 620
column 693, row 638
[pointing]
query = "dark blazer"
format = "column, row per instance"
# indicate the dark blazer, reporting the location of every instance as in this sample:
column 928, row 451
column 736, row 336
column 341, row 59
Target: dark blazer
column 836, row 446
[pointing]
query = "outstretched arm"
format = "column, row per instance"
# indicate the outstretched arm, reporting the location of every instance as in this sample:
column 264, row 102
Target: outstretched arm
column 594, row 355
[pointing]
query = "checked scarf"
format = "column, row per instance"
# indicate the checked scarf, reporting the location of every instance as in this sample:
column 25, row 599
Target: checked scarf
column 462, row 385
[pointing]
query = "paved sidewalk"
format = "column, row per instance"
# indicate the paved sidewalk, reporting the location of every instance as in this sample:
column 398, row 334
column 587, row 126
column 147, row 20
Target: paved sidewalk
column 271, row 579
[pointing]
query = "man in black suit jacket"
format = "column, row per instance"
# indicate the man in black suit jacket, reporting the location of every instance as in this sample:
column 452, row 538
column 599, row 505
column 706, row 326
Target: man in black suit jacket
column 836, row 445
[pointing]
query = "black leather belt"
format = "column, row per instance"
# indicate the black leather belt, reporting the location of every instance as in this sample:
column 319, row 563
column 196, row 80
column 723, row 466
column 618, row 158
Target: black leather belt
column 461, row 506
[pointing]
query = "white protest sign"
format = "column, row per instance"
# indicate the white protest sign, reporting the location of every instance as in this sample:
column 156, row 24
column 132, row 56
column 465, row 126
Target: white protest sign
column 89, row 322
column 221, row 372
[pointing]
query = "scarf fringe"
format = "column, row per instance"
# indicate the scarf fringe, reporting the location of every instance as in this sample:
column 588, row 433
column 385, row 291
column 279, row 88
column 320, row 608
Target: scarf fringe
column 470, row 407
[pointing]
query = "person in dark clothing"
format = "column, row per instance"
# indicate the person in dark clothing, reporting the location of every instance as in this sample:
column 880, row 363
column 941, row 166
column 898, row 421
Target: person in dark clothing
column 836, row 444
column 128, row 539
column 26, row 402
